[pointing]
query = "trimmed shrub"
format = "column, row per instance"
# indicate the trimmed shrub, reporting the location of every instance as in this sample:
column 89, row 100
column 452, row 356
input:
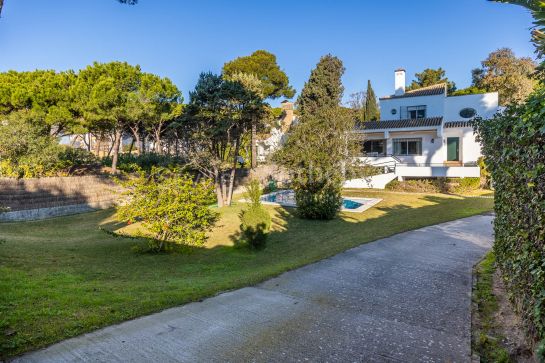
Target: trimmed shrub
column 255, row 226
column 323, row 203
column 514, row 152
column 256, row 220
column 435, row 185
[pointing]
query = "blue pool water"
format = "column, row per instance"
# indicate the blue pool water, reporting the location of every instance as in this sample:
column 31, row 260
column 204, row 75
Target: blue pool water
column 272, row 198
column 350, row 204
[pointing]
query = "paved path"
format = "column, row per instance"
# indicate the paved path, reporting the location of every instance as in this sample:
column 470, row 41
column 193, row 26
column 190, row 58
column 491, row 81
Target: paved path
column 401, row 299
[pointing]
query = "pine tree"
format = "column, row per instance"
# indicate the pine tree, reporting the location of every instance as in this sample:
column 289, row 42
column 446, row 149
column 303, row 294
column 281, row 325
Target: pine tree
column 371, row 110
column 324, row 88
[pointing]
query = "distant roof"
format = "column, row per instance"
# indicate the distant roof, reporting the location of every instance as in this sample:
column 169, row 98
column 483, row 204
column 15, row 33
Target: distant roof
column 401, row 124
column 452, row 124
column 436, row 89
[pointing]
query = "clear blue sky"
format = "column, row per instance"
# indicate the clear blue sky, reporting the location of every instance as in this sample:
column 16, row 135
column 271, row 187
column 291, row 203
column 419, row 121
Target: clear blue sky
column 179, row 39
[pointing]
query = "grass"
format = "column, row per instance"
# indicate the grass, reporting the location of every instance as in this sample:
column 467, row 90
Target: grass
column 65, row 276
column 485, row 341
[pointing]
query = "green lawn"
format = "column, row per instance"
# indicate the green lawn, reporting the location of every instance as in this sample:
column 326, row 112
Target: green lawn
column 63, row 277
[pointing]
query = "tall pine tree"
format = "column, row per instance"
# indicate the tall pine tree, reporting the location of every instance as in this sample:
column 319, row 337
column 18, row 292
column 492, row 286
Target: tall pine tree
column 371, row 111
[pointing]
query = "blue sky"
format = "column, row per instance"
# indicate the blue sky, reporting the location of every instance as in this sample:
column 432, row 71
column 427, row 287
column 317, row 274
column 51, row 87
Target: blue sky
column 179, row 39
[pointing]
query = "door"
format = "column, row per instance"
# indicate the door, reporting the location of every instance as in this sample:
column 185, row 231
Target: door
column 453, row 149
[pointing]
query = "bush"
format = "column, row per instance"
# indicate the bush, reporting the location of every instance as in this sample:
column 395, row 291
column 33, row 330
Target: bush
column 256, row 220
column 255, row 226
column 27, row 150
column 134, row 163
column 514, row 152
column 172, row 207
column 323, row 203
column 436, row 185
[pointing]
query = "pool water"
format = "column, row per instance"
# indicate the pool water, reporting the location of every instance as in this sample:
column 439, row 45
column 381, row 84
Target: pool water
column 350, row 204
column 279, row 196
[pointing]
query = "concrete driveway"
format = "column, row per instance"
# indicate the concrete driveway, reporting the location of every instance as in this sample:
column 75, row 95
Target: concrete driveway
column 400, row 299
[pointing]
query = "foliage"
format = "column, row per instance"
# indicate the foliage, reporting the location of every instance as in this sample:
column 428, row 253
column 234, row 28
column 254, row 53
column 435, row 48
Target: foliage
column 146, row 162
column 217, row 119
column 486, row 343
column 372, row 111
column 538, row 12
column 324, row 88
column 435, row 185
column 320, row 150
column 170, row 206
column 255, row 220
column 471, row 90
column 46, row 96
column 26, row 148
column 514, row 152
column 430, row 77
column 262, row 64
column 254, row 193
column 503, row 72
column 364, row 105
column 255, row 226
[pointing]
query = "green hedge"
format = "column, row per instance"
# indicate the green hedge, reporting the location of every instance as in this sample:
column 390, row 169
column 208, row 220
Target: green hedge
column 514, row 151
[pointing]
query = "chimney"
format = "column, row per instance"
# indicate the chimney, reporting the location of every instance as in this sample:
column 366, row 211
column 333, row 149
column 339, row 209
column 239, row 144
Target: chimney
column 288, row 116
column 399, row 82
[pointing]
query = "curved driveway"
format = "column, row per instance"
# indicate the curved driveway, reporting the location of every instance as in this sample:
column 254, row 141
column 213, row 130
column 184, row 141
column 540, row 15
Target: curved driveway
column 400, row 299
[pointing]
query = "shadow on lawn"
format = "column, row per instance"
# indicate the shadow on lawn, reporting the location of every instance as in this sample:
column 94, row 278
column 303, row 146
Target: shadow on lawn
column 197, row 273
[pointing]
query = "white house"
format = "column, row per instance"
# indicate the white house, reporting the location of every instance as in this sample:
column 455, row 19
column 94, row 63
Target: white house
column 424, row 133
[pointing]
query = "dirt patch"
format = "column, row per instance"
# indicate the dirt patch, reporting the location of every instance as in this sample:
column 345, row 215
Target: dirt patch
column 509, row 326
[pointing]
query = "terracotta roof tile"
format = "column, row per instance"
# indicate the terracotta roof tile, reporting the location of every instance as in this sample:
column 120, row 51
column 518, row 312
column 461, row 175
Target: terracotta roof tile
column 452, row 124
column 400, row 124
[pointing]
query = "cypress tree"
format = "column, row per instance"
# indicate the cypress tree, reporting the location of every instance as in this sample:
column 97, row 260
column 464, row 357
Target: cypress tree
column 324, row 88
column 319, row 150
column 371, row 110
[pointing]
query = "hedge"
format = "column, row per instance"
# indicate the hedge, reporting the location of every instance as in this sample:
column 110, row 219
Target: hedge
column 514, row 151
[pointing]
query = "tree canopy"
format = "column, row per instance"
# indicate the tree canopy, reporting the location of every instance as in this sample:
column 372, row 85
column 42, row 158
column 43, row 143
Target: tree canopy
column 263, row 65
column 319, row 149
column 430, row 77
column 502, row 71
column 324, row 88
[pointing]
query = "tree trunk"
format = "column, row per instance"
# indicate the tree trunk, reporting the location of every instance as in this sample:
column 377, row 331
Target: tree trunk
column 254, row 145
column 233, row 173
column 217, row 183
column 117, row 142
column 158, row 141
column 130, row 148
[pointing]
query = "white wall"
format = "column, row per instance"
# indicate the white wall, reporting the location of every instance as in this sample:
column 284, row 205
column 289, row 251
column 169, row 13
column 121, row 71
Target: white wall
column 435, row 106
column 485, row 104
column 438, row 171
column 470, row 149
column 431, row 151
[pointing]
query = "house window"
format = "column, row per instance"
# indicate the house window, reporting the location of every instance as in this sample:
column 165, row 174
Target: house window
column 374, row 147
column 404, row 147
column 413, row 112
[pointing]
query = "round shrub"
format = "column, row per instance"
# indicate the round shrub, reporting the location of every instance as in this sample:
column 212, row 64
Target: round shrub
column 319, row 204
column 255, row 226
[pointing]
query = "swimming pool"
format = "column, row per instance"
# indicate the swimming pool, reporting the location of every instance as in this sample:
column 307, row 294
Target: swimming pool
column 350, row 204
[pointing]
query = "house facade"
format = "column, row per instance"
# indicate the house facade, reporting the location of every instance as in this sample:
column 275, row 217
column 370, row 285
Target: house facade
column 424, row 133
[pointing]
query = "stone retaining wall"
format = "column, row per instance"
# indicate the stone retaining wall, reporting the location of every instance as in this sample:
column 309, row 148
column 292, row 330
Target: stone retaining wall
column 38, row 198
